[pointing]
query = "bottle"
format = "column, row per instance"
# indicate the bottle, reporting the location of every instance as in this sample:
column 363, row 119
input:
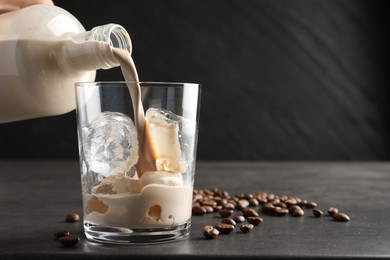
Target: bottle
column 44, row 51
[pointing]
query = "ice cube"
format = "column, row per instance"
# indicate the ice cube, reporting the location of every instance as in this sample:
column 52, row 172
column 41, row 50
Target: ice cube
column 163, row 136
column 112, row 144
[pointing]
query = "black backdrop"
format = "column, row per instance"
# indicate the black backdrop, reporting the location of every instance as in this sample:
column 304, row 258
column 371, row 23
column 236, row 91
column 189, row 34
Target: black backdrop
column 282, row 79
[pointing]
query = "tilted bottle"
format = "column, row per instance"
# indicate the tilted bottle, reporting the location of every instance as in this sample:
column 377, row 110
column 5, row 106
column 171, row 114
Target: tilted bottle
column 44, row 50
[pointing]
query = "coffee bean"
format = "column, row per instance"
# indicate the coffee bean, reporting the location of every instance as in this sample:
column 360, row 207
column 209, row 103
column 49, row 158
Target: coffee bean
column 268, row 208
column 61, row 233
column 311, row 204
column 224, row 228
column 208, row 209
column 210, row 203
column 246, row 228
column 210, row 232
column 290, row 202
column 317, row 212
column 228, row 205
column 253, row 202
column 332, row 211
column 293, row 207
column 198, row 210
column 69, row 240
column 298, row 212
column 340, row 217
column 254, row 220
column 242, row 203
column 278, row 211
column 249, row 212
column 239, row 218
column 228, row 221
column 225, row 212
column 72, row 217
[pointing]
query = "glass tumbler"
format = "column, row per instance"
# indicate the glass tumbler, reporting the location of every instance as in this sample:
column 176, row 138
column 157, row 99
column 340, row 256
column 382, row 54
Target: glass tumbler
column 137, row 160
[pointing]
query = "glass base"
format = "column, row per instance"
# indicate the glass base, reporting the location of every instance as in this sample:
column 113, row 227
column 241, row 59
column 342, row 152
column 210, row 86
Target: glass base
column 136, row 236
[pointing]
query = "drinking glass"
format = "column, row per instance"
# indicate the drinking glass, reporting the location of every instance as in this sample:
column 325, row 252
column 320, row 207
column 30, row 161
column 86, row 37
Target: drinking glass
column 137, row 172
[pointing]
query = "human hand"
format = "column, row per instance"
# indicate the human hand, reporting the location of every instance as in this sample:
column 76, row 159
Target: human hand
column 12, row 5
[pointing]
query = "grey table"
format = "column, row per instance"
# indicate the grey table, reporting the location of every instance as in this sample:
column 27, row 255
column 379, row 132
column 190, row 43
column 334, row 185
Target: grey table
column 35, row 196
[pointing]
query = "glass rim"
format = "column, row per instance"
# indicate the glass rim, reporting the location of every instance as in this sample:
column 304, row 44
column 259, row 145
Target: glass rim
column 149, row 83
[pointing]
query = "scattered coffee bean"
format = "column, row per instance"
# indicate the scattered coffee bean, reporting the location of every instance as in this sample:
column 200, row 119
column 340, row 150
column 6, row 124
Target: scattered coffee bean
column 61, row 233
column 290, row 202
column 72, row 217
column 310, row 205
column 294, row 207
column 210, row 203
column 228, row 205
column 253, row 202
column 278, row 211
column 198, row 210
column 210, row 232
column 229, row 221
column 254, row 220
column 246, row 228
column 298, row 212
column 69, row 241
column 208, row 209
column 317, row 212
column 224, row 228
column 225, row 212
column 239, row 218
column 248, row 212
column 340, row 217
column 332, row 211
column 242, row 203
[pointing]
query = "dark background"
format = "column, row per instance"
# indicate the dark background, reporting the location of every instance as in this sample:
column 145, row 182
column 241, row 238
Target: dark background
column 282, row 79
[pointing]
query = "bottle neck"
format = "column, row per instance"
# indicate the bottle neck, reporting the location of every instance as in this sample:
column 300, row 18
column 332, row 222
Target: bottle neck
column 92, row 50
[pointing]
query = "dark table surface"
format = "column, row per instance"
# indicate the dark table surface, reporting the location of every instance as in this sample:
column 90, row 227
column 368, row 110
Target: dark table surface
column 35, row 197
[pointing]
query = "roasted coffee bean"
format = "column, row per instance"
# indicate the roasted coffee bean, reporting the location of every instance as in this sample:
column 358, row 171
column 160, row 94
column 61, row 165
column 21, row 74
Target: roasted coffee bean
column 332, row 211
column 61, row 233
column 72, row 217
column 242, row 203
column 293, row 207
column 254, row 220
column 278, row 211
column 198, row 210
column 339, row 216
column 69, row 240
column 246, row 227
column 248, row 212
column 208, row 209
column 228, row 221
column 290, row 202
column 253, row 202
column 317, row 212
column 268, row 208
column 281, row 205
column 301, row 203
column 239, row 218
column 224, row 228
column 210, row 232
column 210, row 203
column 248, row 196
column 298, row 212
column 228, row 205
column 225, row 212
column 311, row 204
